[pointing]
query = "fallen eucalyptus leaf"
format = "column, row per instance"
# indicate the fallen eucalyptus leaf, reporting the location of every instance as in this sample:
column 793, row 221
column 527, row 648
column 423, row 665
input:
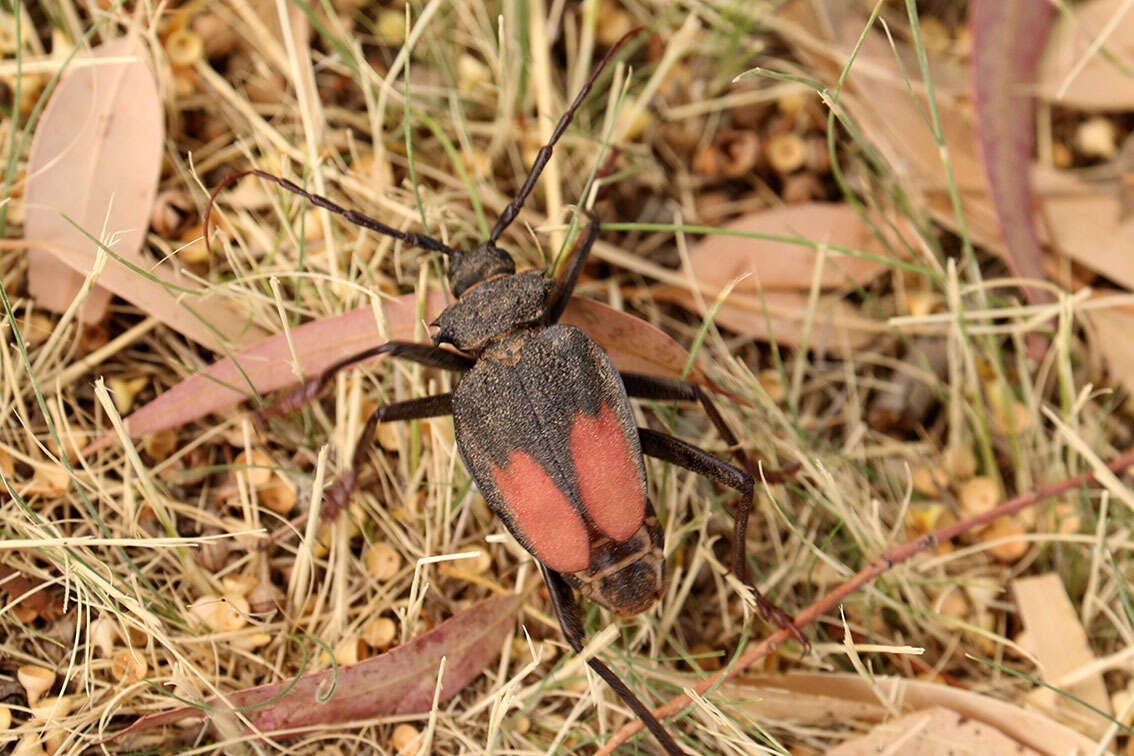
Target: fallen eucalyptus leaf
column 400, row 681
column 93, row 166
column 1008, row 38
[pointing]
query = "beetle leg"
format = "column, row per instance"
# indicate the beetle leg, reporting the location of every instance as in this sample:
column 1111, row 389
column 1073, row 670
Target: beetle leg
column 571, row 622
column 569, row 270
column 339, row 493
column 642, row 386
column 678, row 452
column 423, row 354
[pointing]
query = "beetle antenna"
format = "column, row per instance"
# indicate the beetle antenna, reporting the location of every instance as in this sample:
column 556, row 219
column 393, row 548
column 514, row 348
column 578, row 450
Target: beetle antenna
column 544, row 155
column 355, row 217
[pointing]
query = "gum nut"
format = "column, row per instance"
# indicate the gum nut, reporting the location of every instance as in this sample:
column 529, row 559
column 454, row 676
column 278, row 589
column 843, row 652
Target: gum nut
column 480, row 563
column 929, row 480
column 786, row 153
column 36, row 681
column 978, row 495
column 251, row 641
column 406, row 740
column 952, row 604
column 1009, row 532
column 52, row 709
column 36, row 328
column 239, row 584
column 29, row 745
column 221, row 614
column 103, row 634
column 351, row 650
column 184, row 47
column 382, row 561
column 379, row 633
column 128, row 666
column 160, row 445
column 50, row 480
column 173, row 213
column 960, row 462
column 278, row 496
column 256, row 465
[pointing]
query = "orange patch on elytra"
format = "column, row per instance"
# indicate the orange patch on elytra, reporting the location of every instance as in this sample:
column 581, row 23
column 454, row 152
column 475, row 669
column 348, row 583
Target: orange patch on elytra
column 552, row 528
column 610, row 480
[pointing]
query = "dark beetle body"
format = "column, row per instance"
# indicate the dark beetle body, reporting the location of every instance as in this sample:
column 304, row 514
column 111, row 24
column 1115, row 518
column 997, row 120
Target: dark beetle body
column 545, row 427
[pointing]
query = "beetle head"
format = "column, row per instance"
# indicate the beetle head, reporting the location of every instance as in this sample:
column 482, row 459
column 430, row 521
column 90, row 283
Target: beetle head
column 469, row 269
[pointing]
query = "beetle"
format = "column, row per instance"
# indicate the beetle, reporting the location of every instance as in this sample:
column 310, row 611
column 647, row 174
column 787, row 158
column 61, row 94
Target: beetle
column 544, row 424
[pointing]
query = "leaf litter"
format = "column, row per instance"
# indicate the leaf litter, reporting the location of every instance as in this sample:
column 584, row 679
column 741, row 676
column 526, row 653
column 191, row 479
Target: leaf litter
column 982, row 416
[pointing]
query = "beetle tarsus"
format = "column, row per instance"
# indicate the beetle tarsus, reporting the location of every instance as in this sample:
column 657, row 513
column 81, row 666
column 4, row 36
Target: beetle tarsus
column 772, row 613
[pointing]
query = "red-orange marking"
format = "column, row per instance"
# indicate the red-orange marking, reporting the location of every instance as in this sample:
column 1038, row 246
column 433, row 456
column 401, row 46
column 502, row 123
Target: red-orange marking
column 610, row 480
column 552, row 528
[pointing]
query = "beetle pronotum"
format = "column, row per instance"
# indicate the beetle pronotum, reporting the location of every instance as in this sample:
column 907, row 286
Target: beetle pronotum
column 544, row 424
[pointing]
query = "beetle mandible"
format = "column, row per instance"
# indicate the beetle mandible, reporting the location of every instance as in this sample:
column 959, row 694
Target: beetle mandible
column 544, row 424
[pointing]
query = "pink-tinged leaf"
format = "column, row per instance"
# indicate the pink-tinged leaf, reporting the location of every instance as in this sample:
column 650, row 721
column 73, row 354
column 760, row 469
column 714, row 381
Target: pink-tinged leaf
column 95, row 158
column 632, row 343
column 778, row 275
column 268, row 366
column 1078, row 73
column 1008, row 38
column 400, row 681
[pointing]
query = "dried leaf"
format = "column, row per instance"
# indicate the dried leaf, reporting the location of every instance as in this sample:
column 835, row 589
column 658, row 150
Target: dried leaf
column 1074, row 75
column 837, row 327
column 893, row 120
column 1086, row 220
column 1008, row 37
column 936, row 731
column 96, row 158
column 1112, row 328
column 779, row 275
column 1089, row 222
column 632, row 343
column 46, row 604
column 720, row 259
column 1060, row 645
column 400, row 681
column 802, row 697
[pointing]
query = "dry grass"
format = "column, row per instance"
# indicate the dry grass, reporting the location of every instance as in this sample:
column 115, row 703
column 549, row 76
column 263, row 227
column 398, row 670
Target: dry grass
column 135, row 540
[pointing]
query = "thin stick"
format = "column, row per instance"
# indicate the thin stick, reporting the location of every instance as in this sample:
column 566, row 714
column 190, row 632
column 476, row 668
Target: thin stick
column 876, row 568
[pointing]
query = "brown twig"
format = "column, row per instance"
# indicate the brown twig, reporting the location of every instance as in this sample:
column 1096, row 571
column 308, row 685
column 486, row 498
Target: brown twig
column 876, row 568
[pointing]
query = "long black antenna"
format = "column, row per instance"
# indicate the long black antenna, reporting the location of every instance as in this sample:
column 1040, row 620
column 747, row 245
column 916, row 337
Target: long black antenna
column 544, row 155
column 355, row 217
